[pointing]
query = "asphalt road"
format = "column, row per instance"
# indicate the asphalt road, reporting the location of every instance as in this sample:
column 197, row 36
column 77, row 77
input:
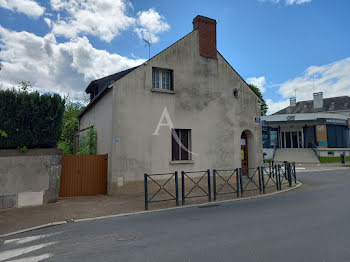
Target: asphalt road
column 311, row 223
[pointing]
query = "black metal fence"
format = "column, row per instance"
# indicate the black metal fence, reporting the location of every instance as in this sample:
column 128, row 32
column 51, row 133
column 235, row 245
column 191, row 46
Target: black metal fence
column 195, row 178
column 250, row 179
column 225, row 182
column 197, row 184
column 161, row 193
column 269, row 177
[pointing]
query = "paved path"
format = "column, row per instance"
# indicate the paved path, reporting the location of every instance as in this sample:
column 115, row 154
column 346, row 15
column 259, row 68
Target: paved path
column 311, row 223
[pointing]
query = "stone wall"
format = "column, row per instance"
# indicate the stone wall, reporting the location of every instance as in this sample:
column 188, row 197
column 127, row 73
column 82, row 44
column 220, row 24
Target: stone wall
column 30, row 178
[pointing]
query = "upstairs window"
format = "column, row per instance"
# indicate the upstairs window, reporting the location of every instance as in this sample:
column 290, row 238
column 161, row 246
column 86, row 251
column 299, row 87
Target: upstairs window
column 181, row 144
column 162, row 79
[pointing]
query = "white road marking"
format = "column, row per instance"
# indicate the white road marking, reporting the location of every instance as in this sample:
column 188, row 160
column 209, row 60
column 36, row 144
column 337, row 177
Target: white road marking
column 32, row 259
column 21, row 251
column 24, row 240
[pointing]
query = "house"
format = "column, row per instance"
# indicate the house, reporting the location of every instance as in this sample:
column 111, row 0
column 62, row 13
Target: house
column 318, row 126
column 185, row 108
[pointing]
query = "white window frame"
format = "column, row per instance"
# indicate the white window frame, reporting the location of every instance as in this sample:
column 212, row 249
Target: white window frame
column 161, row 79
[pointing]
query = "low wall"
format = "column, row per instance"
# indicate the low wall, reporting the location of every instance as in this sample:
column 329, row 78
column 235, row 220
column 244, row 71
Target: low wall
column 30, row 178
column 336, row 152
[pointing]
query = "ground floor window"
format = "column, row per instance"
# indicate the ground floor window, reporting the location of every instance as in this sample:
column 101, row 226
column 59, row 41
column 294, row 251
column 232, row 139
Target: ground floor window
column 181, row 144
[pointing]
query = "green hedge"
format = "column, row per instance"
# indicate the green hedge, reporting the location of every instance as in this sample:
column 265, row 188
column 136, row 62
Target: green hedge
column 332, row 159
column 31, row 119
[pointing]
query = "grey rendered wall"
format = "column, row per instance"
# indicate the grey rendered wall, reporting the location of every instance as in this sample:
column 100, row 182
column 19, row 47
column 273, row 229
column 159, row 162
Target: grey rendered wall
column 31, row 178
column 203, row 102
column 100, row 115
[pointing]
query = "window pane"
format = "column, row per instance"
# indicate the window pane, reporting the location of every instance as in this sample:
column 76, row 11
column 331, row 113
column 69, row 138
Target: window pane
column 184, row 141
column 288, row 142
column 157, row 79
column 175, row 154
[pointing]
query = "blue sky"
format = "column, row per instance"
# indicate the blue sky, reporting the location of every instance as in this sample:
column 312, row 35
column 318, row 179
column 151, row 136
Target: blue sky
column 283, row 46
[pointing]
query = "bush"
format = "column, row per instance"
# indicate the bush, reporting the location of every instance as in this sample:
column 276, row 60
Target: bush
column 70, row 127
column 88, row 142
column 30, row 120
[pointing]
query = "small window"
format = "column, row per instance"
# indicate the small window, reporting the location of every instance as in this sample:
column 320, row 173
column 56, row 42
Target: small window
column 181, row 144
column 162, row 79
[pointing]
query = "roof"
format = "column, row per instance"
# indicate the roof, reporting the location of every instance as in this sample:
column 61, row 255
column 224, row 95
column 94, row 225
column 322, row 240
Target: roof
column 332, row 104
column 104, row 82
column 108, row 80
column 102, row 85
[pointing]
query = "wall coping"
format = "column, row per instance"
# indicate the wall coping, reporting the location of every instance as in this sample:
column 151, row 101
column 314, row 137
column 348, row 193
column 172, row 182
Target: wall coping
column 30, row 152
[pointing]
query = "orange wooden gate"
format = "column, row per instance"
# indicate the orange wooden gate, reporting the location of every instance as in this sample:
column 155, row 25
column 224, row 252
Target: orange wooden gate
column 83, row 175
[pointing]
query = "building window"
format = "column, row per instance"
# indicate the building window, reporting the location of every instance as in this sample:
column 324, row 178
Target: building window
column 162, row 79
column 181, row 144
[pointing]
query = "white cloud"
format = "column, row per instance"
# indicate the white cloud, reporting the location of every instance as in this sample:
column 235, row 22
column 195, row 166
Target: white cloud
column 276, row 106
column 259, row 82
column 288, row 2
column 28, row 7
column 298, row 2
column 47, row 21
column 64, row 68
column 150, row 23
column 102, row 18
column 332, row 79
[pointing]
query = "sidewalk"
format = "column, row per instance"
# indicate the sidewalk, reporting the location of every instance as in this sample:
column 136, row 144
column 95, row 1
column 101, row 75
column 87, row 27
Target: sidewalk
column 14, row 219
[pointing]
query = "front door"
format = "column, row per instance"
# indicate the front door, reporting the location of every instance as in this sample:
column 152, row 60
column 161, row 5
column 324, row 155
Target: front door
column 244, row 151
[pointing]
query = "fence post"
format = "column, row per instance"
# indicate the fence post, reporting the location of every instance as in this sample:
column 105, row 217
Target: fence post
column 176, row 188
column 237, row 182
column 214, row 184
column 146, row 191
column 209, row 185
column 240, row 180
column 183, row 187
column 263, row 179
column 279, row 176
column 259, row 173
column 289, row 174
column 295, row 174
column 275, row 176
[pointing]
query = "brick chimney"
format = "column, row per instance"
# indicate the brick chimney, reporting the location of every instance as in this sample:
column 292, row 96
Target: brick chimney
column 207, row 35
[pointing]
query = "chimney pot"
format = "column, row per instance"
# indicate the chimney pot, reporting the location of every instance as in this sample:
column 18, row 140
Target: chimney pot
column 293, row 101
column 318, row 100
column 207, row 35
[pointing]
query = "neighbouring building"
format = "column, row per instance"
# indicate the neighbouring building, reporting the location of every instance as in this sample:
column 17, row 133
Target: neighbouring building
column 214, row 113
column 321, row 124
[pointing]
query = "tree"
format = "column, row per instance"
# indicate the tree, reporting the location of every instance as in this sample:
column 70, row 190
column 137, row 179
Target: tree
column 264, row 106
column 70, row 126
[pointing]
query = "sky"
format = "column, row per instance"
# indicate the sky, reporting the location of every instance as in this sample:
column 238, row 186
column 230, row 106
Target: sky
column 285, row 47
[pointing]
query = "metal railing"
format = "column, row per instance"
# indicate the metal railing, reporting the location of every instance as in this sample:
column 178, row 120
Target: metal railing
column 228, row 177
column 316, row 152
column 238, row 181
column 195, row 183
column 269, row 177
column 247, row 179
column 168, row 177
column 283, row 174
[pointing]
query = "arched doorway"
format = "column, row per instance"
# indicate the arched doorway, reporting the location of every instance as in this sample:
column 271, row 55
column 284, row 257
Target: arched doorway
column 244, row 150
